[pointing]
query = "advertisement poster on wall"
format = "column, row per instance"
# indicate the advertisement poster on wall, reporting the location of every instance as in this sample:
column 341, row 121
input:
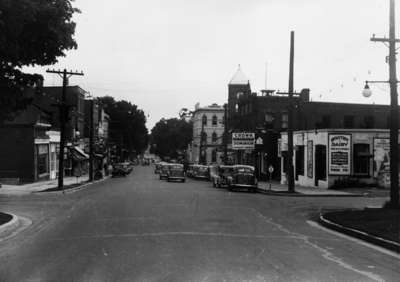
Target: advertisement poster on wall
column 382, row 161
column 243, row 141
column 339, row 154
column 310, row 155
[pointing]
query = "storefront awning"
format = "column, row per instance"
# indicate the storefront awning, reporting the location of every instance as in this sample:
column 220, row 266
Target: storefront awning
column 78, row 154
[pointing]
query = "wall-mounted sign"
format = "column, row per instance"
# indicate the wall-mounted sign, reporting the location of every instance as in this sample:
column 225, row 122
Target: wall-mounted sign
column 243, row 141
column 382, row 161
column 339, row 154
column 310, row 156
column 259, row 141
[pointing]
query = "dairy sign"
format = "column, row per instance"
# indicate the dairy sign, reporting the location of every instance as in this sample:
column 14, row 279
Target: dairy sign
column 339, row 154
column 243, row 141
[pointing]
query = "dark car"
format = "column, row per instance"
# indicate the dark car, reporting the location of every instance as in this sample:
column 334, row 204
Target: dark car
column 201, row 172
column 164, row 170
column 221, row 178
column 157, row 168
column 176, row 172
column 243, row 177
column 121, row 169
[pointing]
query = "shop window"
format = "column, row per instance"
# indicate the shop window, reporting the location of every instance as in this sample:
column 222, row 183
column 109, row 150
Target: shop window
column 348, row 122
column 204, row 120
column 42, row 159
column 299, row 161
column 361, row 159
column 214, row 120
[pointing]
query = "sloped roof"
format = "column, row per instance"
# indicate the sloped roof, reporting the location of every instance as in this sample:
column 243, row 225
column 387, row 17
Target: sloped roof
column 239, row 78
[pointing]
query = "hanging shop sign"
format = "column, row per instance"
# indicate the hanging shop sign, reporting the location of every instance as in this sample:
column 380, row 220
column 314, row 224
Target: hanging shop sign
column 243, row 141
column 339, row 154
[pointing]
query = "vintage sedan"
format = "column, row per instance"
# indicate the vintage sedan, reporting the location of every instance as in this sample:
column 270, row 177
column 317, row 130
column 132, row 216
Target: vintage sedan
column 201, row 172
column 176, row 172
column 221, row 178
column 121, row 169
column 243, row 177
column 164, row 170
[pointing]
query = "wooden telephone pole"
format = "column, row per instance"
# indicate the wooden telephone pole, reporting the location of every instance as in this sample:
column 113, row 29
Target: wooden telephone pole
column 63, row 112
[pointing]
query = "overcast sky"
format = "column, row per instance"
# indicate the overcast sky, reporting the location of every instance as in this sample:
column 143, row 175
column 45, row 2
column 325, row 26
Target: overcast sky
column 164, row 55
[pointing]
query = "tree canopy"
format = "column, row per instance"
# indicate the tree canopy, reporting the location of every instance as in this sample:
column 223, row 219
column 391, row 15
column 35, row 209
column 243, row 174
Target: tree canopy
column 127, row 124
column 32, row 32
column 170, row 137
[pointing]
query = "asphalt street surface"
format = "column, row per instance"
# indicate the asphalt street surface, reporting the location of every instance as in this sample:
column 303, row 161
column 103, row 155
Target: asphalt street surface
column 139, row 228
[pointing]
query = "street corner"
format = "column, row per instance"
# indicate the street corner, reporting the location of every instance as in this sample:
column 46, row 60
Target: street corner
column 11, row 225
column 367, row 225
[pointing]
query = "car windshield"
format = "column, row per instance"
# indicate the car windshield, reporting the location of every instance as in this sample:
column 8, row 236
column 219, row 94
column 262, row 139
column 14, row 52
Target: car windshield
column 176, row 167
column 244, row 170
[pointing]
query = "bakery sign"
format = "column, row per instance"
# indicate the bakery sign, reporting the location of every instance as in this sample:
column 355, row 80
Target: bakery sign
column 339, row 154
column 243, row 141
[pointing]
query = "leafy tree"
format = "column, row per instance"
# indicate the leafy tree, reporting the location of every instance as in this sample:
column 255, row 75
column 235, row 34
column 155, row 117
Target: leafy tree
column 127, row 124
column 170, row 137
column 32, row 32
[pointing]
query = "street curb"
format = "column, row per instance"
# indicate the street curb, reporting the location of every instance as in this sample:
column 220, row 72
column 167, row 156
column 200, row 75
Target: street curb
column 387, row 244
column 8, row 228
column 297, row 194
column 75, row 189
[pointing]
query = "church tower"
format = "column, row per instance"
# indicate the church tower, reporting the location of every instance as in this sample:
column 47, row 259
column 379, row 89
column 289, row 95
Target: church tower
column 239, row 85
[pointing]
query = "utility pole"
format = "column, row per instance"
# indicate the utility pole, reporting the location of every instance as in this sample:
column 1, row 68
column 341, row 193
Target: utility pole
column 63, row 112
column 290, row 117
column 225, row 134
column 91, row 129
column 394, row 126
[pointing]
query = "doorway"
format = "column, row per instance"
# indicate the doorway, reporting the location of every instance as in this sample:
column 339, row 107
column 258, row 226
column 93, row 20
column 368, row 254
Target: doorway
column 320, row 163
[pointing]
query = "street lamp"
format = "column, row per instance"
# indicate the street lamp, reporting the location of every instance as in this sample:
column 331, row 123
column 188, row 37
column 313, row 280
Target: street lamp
column 367, row 91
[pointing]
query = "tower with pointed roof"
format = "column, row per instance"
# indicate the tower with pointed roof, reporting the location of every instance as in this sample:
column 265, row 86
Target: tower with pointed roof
column 238, row 85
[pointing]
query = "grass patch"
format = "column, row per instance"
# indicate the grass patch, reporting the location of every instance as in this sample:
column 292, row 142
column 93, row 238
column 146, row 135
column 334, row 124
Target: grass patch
column 384, row 223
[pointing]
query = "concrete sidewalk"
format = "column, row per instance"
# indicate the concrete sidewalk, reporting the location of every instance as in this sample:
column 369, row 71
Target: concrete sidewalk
column 277, row 188
column 40, row 186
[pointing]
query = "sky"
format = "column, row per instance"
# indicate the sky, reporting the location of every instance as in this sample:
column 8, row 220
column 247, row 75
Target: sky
column 165, row 55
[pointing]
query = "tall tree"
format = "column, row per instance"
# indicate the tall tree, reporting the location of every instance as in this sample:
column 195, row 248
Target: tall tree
column 32, row 32
column 128, row 124
column 170, row 137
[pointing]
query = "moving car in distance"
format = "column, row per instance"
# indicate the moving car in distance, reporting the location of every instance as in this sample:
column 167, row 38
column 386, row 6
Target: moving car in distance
column 121, row 169
column 243, row 177
column 201, row 172
column 176, row 172
column 221, row 179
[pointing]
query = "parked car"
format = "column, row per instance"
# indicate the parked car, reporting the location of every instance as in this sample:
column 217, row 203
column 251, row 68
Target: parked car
column 164, row 170
column 121, row 169
column 221, row 179
column 176, row 172
column 243, row 177
column 157, row 167
column 201, row 172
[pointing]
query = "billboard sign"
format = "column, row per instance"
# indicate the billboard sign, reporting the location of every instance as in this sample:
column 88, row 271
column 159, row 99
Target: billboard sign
column 339, row 154
column 243, row 141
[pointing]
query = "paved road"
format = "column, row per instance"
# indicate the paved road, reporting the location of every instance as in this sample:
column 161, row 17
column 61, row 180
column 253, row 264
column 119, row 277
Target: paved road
column 142, row 229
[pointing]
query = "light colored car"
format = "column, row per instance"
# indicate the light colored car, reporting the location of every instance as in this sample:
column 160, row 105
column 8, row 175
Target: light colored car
column 221, row 179
column 201, row 172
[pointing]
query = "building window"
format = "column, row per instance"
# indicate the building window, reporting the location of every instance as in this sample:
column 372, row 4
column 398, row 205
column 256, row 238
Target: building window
column 236, row 107
column 361, row 159
column 204, row 138
column 214, row 137
column 326, row 121
column 239, row 94
column 214, row 156
column 285, row 120
column 214, row 120
column 348, row 122
column 204, row 120
column 369, row 122
column 42, row 159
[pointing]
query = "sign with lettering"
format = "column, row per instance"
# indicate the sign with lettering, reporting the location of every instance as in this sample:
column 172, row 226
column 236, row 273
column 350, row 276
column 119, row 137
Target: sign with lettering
column 382, row 161
column 243, row 141
column 339, row 154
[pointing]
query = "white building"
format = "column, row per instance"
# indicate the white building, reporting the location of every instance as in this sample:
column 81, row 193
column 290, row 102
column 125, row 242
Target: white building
column 208, row 123
column 327, row 158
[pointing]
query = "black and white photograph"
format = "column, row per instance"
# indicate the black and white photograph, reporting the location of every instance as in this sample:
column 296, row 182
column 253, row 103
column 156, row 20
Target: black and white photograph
column 199, row 141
